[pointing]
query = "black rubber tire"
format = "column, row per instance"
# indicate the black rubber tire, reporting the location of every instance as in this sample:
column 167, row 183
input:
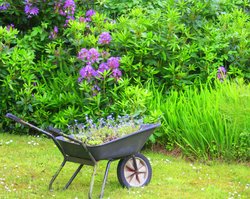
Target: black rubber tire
column 127, row 174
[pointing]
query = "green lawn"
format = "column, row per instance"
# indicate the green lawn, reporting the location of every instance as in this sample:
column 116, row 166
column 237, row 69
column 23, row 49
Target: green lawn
column 27, row 164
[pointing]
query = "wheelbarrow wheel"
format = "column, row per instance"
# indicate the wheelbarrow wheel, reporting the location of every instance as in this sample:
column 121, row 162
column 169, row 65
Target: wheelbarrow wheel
column 134, row 171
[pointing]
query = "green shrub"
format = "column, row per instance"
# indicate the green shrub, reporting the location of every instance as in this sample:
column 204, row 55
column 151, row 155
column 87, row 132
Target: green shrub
column 17, row 74
column 181, row 43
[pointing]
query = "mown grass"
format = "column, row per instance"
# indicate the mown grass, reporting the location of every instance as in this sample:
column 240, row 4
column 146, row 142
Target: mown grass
column 27, row 164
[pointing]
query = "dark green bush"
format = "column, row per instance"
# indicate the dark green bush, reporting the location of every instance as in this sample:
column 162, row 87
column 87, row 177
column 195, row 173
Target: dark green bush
column 181, row 43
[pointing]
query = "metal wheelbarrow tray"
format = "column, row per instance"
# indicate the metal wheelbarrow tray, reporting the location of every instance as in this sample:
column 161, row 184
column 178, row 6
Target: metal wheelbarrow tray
column 133, row 170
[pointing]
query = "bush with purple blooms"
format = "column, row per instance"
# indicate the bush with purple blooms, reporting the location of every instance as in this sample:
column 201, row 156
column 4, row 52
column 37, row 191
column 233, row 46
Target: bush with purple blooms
column 71, row 61
column 26, row 14
column 99, row 70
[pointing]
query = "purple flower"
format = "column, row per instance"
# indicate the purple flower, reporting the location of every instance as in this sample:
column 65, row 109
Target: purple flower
column 116, row 73
column 113, row 62
column 87, row 19
column 69, row 6
column 222, row 70
column 81, row 19
column 93, row 55
column 55, row 29
column 90, row 13
column 53, row 33
column 59, row 8
column 69, row 10
column 66, row 9
column 95, row 89
column 30, row 9
column 104, row 38
column 4, row 6
column 87, row 72
column 83, row 54
column 11, row 26
column 103, row 67
column 221, row 74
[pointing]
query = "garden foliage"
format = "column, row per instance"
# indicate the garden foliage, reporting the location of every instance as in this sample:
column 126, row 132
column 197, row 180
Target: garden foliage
column 63, row 59
column 211, row 123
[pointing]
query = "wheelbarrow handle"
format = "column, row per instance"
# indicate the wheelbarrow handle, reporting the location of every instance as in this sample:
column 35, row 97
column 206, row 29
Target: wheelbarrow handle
column 53, row 131
column 56, row 132
column 17, row 119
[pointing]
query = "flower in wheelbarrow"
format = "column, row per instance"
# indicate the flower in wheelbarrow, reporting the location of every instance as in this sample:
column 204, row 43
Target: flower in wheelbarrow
column 104, row 38
column 103, row 130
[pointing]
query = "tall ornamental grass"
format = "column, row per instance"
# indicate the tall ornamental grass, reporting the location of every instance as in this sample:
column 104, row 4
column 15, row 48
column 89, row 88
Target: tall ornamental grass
column 210, row 122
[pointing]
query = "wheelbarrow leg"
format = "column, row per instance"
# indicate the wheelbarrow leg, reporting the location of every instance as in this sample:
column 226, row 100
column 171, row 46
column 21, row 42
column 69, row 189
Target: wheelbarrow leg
column 73, row 176
column 92, row 182
column 105, row 178
column 56, row 174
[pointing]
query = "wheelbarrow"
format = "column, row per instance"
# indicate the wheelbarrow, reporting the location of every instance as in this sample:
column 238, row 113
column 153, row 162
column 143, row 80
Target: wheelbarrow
column 133, row 170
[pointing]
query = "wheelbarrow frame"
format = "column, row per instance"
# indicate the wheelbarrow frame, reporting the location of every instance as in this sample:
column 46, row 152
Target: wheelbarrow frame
column 76, row 151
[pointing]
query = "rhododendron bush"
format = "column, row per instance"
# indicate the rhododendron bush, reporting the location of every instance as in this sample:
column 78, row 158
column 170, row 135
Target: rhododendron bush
column 74, row 67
